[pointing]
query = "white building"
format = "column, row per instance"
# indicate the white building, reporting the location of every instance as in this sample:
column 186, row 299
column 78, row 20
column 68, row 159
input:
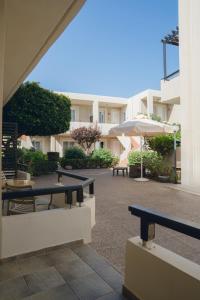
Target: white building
column 107, row 112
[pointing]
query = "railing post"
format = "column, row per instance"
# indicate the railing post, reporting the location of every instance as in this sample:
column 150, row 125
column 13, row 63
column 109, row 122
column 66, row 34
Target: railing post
column 80, row 196
column 59, row 177
column 147, row 231
column 68, row 198
column 91, row 188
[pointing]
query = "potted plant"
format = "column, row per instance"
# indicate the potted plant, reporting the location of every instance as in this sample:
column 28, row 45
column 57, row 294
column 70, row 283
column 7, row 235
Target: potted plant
column 134, row 161
column 165, row 172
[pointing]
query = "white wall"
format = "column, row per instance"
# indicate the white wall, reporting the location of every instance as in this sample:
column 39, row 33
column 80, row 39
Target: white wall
column 39, row 230
column 170, row 90
column 189, row 26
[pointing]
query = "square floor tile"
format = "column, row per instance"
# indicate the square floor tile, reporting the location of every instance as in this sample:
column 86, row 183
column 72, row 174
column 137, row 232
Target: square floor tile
column 14, row 289
column 60, row 256
column 44, row 280
column 63, row 292
column 112, row 296
column 9, row 270
column 32, row 264
column 73, row 269
column 90, row 287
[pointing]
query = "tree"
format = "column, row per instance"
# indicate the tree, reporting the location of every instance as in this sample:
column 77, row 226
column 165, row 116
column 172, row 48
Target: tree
column 38, row 111
column 86, row 137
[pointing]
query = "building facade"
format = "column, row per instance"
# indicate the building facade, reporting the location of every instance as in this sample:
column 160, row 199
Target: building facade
column 107, row 112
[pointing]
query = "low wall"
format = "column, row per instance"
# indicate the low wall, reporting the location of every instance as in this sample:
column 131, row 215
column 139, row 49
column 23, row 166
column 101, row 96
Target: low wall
column 159, row 274
column 34, row 231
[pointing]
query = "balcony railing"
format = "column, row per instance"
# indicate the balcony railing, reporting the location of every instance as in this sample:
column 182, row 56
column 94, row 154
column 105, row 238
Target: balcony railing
column 104, row 127
column 149, row 218
column 172, row 75
column 66, row 189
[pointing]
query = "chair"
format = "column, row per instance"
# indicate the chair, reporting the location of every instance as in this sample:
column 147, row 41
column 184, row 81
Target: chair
column 28, row 205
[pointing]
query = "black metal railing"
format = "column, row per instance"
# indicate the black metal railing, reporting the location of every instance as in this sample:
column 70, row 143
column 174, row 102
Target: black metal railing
column 172, row 75
column 149, row 218
column 66, row 189
column 22, row 167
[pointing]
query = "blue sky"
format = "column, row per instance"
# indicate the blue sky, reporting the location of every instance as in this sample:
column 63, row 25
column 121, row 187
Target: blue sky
column 111, row 48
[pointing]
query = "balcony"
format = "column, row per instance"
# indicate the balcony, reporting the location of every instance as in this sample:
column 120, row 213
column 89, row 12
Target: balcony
column 104, row 127
column 170, row 89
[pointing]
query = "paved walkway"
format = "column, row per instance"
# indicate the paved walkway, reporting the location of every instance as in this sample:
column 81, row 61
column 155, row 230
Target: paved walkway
column 114, row 224
column 75, row 272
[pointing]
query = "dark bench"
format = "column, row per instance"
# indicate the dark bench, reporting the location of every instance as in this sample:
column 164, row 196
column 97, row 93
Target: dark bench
column 123, row 169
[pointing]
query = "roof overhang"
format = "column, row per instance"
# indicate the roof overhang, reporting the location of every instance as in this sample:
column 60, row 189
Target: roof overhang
column 31, row 27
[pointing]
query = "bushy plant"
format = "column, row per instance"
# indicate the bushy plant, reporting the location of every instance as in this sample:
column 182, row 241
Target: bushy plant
column 41, row 167
column 74, row 153
column 36, row 161
column 104, row 156
column 151, row 160
column 51, row 113
column 100, row 158
column 33, row 155
column 86, row 137
column 163, row 144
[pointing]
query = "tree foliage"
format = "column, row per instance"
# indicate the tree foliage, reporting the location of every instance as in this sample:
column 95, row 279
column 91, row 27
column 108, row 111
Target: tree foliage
column 38, row 111
column 86, row 137
column 163, row 144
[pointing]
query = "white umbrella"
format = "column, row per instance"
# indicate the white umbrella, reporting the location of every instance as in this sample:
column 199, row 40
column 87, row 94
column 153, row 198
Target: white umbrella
column 142, row 127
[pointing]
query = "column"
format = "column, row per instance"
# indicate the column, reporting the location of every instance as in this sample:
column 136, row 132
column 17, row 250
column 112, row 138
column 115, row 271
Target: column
column 149, row 104
column 2, row 58
column 95, row 111
column 189, row 49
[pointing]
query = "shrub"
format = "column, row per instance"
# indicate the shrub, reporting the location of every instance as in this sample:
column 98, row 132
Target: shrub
column 41, row 167
column 100, row 158
column 104, row 156
column 163, row 144
column 37, row 162
column 151, row 160
column 86, row 137
column 53, row 156
column 74, row 153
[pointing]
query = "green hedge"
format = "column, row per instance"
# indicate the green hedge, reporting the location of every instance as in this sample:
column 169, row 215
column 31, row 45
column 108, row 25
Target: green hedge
column 151, row 160
column 36, row 161
column 100, row 158
column 87, row 163
column 41, row 167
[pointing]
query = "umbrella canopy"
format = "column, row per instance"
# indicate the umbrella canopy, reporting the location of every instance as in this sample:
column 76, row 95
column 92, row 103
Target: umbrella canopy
column 142, row 127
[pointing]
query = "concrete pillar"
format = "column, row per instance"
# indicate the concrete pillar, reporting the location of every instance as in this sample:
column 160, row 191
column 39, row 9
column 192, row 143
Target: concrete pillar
column 52, row 143
column 189, row 25
column 149, row 104
column 2, row 57
column 95, row 111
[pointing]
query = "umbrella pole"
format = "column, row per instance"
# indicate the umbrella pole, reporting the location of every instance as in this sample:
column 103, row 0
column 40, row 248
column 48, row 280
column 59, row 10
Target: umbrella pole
column 141, row 178
column 141, row 160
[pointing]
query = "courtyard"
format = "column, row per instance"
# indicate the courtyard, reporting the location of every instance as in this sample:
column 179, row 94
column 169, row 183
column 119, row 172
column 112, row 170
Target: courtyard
column 114, row 224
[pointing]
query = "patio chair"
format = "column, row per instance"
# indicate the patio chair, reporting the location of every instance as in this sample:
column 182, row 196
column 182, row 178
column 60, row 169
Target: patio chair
column 28, row 205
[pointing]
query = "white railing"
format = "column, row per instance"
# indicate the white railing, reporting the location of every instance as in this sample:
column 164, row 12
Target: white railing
column 170, row 90
column 104, row 127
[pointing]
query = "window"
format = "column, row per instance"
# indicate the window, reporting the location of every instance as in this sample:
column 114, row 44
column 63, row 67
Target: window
column 73, row 115
column 36, row 145
column 67, row 145
column 101, row 117
column 124, row 116
column 102, row 145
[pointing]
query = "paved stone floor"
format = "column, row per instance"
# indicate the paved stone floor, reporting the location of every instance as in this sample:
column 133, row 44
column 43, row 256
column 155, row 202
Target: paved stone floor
column 72, row 273
column 114, row 224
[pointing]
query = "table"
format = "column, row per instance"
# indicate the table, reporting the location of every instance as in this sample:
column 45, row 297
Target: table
column 123, row 169
column 19, row 184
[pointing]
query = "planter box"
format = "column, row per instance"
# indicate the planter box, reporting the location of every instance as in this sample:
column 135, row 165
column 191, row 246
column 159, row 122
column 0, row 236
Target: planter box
column 135, row 171
column 163, row 178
